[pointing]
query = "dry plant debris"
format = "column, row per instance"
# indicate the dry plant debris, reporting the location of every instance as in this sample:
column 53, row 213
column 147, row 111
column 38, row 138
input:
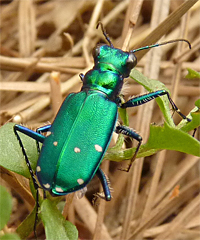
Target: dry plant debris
column 46, row 40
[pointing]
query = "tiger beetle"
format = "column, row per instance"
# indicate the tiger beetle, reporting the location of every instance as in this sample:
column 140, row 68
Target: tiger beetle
column 81, row 132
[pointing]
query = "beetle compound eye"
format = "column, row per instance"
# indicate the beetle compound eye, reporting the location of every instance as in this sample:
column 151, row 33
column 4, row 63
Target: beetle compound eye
column 131, row 61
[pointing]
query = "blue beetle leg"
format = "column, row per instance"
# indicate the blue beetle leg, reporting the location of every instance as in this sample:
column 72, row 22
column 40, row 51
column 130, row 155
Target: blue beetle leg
column 139, row 100
column 106, row 185
column 132, row 134
column 41, row 130
column 37, row 136
column 40, row 138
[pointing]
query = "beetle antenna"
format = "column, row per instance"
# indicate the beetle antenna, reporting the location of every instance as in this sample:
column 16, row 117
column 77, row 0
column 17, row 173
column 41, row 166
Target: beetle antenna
column 104, row 33
column 160, row 44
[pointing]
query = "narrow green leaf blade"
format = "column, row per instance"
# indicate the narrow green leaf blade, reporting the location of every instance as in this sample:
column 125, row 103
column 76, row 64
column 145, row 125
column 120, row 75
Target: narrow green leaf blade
column 5, row 206
column 27, row 226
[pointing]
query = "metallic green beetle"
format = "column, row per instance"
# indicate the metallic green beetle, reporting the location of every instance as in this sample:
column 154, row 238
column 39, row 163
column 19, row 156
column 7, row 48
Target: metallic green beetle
column 81, row 132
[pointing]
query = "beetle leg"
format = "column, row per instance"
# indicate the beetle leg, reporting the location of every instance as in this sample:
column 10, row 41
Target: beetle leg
column 106, row 185
column 39, row 138
column 41, row 130
column 132, row 134
column 139, row 100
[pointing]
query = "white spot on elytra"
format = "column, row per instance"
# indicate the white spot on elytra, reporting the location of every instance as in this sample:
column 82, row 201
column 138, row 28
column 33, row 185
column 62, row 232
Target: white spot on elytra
column 38, row 168
column 59, row 189
column 55, row 143
column 46, row 185
column 49, row 133
column 98, row 148
column 80, row 181
column 77, row 150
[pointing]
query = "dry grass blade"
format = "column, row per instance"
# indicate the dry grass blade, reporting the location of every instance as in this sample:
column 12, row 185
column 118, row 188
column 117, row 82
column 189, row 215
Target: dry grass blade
column 166, row 208
column 165, row 26
column 173, row 178
column 144, row 119
column 19, row 64
column 179, row 222
column 130, row 21
column 27, row 31
column 56, row 96
column 25, row 87
column 89, row 216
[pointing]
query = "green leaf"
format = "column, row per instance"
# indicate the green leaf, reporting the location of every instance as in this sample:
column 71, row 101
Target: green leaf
column 11, row 156
column 192, row 74
column 5, row 206
column 10, row 236
column 195, row 123
column 167, row 137
column 197, row 103
column 161, row 137
column 56, row 226
column 194, row 115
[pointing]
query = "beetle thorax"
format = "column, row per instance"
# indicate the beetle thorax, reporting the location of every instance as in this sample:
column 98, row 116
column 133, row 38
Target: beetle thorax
column 106, row 81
